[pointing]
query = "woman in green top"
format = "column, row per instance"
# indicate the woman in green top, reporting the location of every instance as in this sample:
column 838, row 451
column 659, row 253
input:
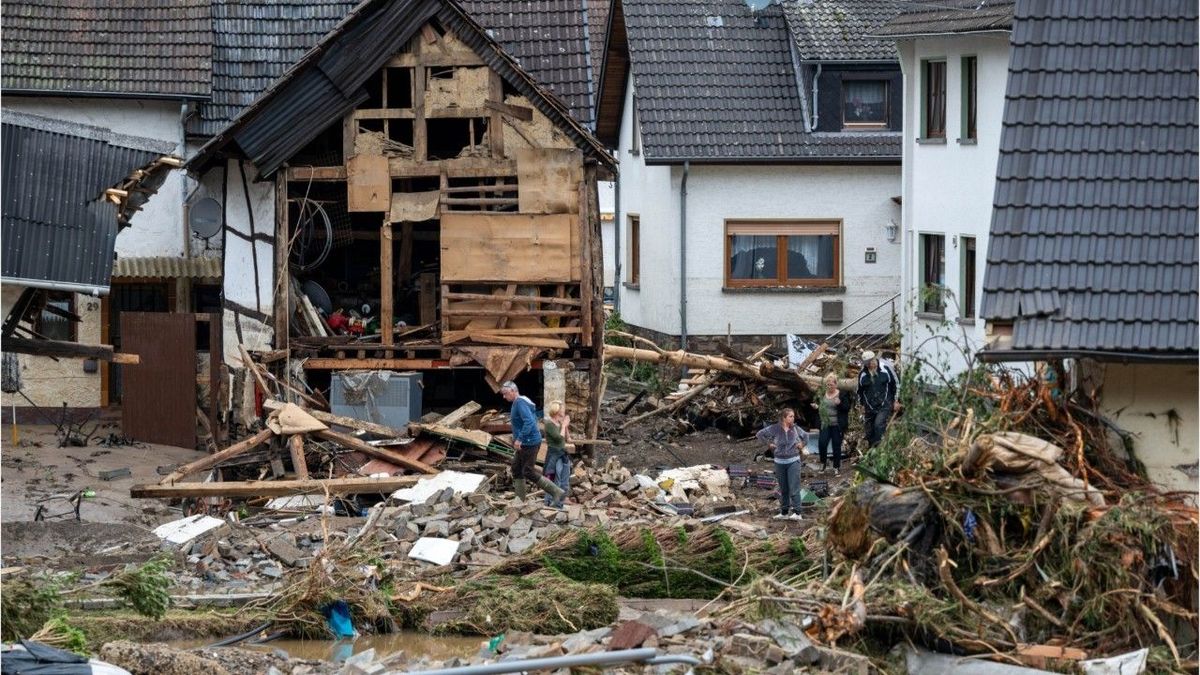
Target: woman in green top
column 834, row 408
column 558, row 464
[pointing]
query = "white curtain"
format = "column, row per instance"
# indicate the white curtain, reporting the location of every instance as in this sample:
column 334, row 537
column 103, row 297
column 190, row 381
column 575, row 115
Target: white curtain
column 752, row 257
column 810, row 257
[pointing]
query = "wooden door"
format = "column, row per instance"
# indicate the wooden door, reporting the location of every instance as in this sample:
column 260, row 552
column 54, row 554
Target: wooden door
column 159, row 394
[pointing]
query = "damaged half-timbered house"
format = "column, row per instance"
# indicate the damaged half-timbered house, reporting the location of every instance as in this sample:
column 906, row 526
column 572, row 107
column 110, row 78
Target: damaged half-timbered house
column 415, row 202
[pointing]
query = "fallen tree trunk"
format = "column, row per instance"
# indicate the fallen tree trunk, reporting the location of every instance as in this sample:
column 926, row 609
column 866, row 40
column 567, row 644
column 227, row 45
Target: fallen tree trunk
column 216, row 458
column 764, row 371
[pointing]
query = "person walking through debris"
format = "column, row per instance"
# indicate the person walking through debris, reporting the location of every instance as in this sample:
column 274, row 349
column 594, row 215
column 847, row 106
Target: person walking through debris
column 834, row 409
column 877, row 392
column 785, row 439
column 526, row 442
column 558, row 463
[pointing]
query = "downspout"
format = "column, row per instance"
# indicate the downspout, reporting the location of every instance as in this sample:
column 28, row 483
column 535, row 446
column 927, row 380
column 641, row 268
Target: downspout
column 816, row 111
column 184, row 114
column 683, row 257
column 618, row 254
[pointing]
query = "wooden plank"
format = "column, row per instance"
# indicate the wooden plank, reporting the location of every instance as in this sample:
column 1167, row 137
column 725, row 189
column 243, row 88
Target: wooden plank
column 37, row 347
column 495, row 123
column 374, row 364
column 514, row 111
column 420, row 132
column 387, row 286
column 458, row 335
column 518, row 340
column 511, row 312
column 479, row 201
column 427, row 298
column 125, row 359
column 368, row 185
column 404, row 267
column 582, row 253
column 216, row 458
column 249, row 363
column 316, row 173
column 520, row 247
column 274, row 488
column 549, row 179
column 459, row 414
column 282, row 277
column 812, row 356
column 434, row 59
column 348, row 422
column 378, row 453
column 546, row 299
column 296, row 447
column 506, row 306
column 462, row 167
column 349, row 136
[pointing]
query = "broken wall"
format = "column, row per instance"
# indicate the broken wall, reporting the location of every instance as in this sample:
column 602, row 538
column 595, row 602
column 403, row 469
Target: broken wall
column 49, row 383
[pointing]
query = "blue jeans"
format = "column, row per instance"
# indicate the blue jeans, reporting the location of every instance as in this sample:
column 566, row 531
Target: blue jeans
column 558, row 468
column 788, row 478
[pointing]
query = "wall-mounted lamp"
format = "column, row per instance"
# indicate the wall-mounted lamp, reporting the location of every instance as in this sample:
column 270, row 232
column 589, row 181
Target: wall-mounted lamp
column 892, row 230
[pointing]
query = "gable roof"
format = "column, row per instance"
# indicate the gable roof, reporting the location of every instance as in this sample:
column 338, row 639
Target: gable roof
column 549, row 38
column 716, row 83
column 597, row 18
column 838, row 30
column 256, row 41
column 326, row 83
column 58, row 230
column 1093, row 244
column 87, row 47
column 940, row 17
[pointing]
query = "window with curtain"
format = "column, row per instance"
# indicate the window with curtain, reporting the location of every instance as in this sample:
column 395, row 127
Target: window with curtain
column 635, row 250
column 970, row 96
column 933, row 76
column 864, row 104
column 933, row 272
column 782, row 253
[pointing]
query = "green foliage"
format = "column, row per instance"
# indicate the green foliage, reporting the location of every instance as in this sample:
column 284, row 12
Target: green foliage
column 26, row 604
column 58, row 632
column 144, row 588
column 543, row 603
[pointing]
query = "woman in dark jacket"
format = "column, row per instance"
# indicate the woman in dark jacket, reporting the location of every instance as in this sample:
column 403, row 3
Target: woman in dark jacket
column 834, row 408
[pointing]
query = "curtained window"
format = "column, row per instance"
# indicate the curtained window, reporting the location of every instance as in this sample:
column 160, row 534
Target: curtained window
column 864, row 104
column 933, row 272
column 782, row 254
column 933, row 103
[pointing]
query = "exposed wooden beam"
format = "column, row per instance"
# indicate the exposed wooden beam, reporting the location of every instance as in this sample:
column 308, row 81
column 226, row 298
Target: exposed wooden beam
column 375, row 364
column 274, row 488
column 519, row 112
column 386, row 455
column 69, row 350
column 216, row 458
column 348, row 422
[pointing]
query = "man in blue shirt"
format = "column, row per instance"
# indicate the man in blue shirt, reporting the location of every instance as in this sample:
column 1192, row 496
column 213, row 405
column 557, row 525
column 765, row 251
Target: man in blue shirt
column 527, row 440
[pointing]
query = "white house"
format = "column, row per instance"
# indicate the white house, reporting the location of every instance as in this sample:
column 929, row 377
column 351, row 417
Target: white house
column 955, row 64
column 760, row 180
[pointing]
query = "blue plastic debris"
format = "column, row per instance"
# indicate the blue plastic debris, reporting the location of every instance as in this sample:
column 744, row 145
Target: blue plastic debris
column 337, row 615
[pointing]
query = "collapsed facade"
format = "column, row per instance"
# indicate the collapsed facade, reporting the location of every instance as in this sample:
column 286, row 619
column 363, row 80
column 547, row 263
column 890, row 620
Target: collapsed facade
column 414, row 201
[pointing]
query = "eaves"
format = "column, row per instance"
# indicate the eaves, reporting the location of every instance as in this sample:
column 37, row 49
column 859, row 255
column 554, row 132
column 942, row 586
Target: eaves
column 955, row 33
column 62, row 93
column 772, row 161
column 1002, row 355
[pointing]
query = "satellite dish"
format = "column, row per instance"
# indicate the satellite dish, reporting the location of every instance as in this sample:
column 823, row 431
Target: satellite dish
column 757, row 5
column 204, row 217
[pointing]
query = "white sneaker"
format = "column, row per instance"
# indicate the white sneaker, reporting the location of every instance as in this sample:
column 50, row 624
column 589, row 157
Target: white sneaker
column 795, row 516
column 778, row 516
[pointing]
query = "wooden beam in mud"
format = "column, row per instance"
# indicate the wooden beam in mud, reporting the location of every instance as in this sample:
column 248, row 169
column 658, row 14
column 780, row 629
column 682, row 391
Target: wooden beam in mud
column 274, row 488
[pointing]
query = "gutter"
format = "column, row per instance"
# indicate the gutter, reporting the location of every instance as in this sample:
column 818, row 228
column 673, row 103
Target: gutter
column 1004, row 355
column 85, row 289
column 683, row 257
column 618, row 221
column 776, row 161
column 909, row 36
column 59, row 93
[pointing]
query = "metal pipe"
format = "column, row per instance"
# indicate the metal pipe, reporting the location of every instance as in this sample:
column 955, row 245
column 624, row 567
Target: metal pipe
column 683, row 257
column 816, row 98
column 644, row 655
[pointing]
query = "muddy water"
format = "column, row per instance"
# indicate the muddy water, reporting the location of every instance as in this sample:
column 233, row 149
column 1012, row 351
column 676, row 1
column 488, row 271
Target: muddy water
column 413, row 644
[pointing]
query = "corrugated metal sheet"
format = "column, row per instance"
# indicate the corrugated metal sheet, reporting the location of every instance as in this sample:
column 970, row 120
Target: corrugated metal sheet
column 57, row 229
column 837, row 30
column 150, row 48
column 933, row 17
column 1094, row 232
column 165, row 267
column 327, row 82
column 717, row 83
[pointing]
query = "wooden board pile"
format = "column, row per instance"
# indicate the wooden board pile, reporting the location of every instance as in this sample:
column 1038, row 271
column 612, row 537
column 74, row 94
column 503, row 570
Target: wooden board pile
column 731, row 391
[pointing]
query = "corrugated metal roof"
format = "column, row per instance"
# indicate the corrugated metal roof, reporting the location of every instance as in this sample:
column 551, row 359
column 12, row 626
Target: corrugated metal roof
column 936, row 17
column 715, row 82
column 57, row 228
column 327, row 82
column 1093, row 242
column 837, row 30
column 164, row 267
column 549, row 38
column 153, row 48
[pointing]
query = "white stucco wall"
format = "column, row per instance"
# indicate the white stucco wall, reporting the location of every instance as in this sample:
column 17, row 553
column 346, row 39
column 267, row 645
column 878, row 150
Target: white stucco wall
column 158, row 229
column 859, row 196
column 1140, row 398
column 948, row 188
column 607, row 198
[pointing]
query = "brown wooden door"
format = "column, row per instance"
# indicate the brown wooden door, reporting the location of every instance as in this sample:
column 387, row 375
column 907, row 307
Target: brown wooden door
column 158, row 402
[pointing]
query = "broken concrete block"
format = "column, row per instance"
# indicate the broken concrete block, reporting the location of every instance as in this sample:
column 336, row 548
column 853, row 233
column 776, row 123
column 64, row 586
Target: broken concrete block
column 630, row 635
column 521, row 527
column 286, row 552
column 749, row 646
column 521, row 544
column 113, row 474
column 502, row 521
column 437, row 528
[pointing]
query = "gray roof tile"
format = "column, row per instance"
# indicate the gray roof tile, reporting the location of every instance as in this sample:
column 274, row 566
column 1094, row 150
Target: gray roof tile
column 836, row 30
column 1093, row 242
column 714, row 83
column 934, row 17
column 87, row 46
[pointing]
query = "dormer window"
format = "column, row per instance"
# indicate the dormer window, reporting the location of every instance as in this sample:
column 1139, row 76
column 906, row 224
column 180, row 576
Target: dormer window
column 865, row 104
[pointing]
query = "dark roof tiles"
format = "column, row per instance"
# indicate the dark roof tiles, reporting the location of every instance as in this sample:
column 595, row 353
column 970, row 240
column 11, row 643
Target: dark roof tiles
column 935, row 17
column 158, row 48
column 837, row 30
column 1093, row 242
column 715, row 82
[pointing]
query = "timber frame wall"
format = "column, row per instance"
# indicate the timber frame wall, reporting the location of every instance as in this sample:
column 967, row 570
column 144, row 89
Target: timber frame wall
column 518, row 218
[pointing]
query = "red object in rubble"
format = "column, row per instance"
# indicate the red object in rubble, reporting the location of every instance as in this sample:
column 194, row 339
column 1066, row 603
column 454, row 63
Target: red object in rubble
column 338, row 321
